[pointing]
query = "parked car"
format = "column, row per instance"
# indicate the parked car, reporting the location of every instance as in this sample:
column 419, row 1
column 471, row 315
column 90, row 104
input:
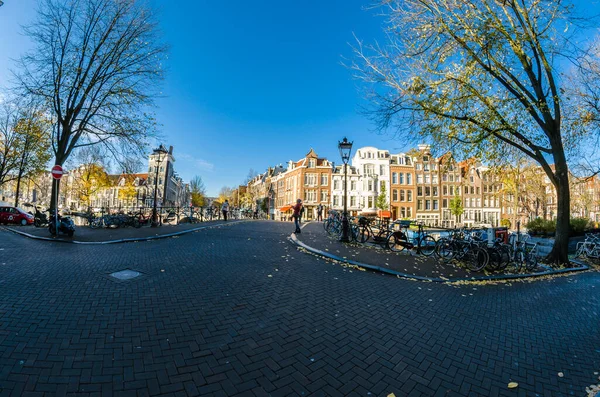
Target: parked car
column 15, row 215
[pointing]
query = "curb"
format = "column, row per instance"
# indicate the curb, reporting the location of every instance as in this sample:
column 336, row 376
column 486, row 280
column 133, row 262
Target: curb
column 123, row 240
column 581, row 267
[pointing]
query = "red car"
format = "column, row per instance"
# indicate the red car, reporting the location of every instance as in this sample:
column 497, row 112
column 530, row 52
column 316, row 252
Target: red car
column 15, row 215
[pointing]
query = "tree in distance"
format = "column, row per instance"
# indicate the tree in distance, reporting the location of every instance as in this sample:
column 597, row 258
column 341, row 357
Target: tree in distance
column 198, row 191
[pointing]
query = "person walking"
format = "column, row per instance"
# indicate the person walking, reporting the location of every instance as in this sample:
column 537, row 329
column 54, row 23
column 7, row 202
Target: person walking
column 225, row 209
column 320, row 213
column 296, row 215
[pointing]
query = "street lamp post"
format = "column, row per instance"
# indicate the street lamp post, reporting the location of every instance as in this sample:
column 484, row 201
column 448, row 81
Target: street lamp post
column 160, row 150
column 345, row 148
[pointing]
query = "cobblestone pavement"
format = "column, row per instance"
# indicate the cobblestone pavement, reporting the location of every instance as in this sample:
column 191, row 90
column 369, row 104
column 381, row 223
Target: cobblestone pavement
column 237, row 310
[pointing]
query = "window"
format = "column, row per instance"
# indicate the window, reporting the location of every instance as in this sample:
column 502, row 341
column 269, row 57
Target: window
column 395, row 195
column 324, row 180
column 478, row 203
column 311, row 196
column 445, row 190
column 369, row 169
column 409, row 179
column 324, row 196
column 409, row 212
column 427, row 204
column 409, row 195
column 402, row 178
column 402, row 198
column 466, row 190
column 451, row 177
column 336, row 185
column 312, row 163
column 382, row 169
column 435, row 190
column 394, row 178
column 419, row 204
column 452, row 191
column 445, row 203
column 370, row 201
column 472, row 190
column 425, row 158
column 434, row 178
column 336, row 200
column 427, row 178
column 310, row 179
column 478, row 190
column 403, row 212
column 471, row 178
column 352, row 201
column 435, row 204
column 419, row 178
column 418, row 166
column 419, row 191
column 427, row 191
column 445, row 177
column 353, row 185
column 426, row 167
column 370, row 185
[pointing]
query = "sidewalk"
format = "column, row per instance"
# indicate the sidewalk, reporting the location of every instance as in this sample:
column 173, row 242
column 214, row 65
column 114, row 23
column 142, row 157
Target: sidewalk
column 85, row 234
column 405, row 264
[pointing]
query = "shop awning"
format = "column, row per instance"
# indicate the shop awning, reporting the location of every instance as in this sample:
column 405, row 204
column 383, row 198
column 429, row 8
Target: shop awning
column 285, row 208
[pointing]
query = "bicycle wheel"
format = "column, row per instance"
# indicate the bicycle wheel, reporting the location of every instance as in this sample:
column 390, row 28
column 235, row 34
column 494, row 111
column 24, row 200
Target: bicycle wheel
column 504, row 257
column 333, row 228
column 519, row 260
column 395, row 242
column 444, row 249
column 476, row 259
column 427, row 245
column 531, row 261
column 364, row 234
column 354, row 232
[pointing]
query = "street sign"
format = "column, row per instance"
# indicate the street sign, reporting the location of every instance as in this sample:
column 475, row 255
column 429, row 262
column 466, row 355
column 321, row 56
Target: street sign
column 57, row 172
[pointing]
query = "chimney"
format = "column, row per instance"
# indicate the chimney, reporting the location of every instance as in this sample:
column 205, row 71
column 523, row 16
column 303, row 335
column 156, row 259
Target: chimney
column 171, row 150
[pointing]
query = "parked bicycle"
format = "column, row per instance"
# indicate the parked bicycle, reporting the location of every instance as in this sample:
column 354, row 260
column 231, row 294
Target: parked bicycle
column 400, row 239
column 589, row 248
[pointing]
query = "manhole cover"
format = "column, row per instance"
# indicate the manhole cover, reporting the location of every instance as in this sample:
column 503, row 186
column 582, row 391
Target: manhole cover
column 125, row 274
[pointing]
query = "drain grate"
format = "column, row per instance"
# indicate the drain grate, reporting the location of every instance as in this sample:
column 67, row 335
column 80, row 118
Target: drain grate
column 126, row 274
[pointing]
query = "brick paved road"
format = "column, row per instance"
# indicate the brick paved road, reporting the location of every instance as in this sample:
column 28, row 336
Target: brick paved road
column 207, row 319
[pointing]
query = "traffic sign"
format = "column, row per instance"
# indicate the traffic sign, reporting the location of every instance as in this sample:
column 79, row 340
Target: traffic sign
column 57, row 172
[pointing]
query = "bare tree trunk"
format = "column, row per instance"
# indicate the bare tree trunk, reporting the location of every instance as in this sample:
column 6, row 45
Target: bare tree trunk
column 20, row 176
column 559, row 253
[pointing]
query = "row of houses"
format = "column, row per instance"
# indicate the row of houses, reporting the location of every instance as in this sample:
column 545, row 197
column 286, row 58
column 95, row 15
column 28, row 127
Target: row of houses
column 88, row 186
column 415, row 185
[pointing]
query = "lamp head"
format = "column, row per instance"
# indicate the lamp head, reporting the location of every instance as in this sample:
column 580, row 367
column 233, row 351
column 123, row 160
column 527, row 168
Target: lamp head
column 345, row 148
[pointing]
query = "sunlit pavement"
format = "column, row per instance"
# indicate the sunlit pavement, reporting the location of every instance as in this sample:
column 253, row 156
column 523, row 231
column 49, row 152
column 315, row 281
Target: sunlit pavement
column 238, row 310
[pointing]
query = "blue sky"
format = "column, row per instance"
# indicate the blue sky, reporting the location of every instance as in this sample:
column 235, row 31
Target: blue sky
column 249, row 84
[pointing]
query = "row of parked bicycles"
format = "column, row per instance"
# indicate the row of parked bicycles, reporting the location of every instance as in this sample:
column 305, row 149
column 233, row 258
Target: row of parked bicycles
column 589, row 248
column 470, row 247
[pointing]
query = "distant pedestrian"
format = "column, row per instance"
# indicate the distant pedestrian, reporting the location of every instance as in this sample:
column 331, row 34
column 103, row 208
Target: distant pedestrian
column 320, row 213
column 296, row 215
column 225, row 209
